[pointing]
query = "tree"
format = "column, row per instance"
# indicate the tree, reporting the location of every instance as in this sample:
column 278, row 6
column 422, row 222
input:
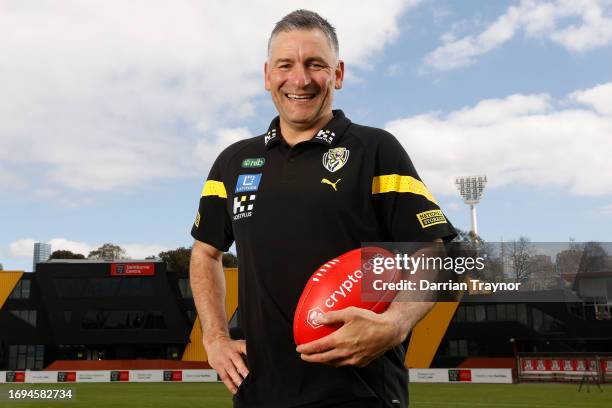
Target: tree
column 519, row 253
column 542, row 273
column 108, row 252
column 594, row 258
column 229, row 260
column 65, row 254
column 177, row 259
column 568, row 261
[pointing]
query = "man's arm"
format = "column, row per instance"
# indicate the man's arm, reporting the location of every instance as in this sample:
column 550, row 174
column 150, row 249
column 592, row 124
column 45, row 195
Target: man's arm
column 208, row 287
column 366, row 335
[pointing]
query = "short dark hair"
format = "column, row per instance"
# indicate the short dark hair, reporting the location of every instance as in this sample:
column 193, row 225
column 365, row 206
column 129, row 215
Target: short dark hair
column 306, row 20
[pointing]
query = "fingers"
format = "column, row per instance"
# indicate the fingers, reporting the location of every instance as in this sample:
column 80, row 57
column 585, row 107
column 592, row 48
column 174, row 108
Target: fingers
column 229, row 363
column 317, row 346
column 325, row 357
column 337, row 358
column 227, row 380
column 337, row 316
column 233, row 374
column 238, row 362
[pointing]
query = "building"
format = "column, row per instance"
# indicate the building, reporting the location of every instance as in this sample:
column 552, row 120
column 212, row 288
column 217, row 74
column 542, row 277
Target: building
column 134, row 310
column 505, row 328
column 94, row 310
column 42, row 253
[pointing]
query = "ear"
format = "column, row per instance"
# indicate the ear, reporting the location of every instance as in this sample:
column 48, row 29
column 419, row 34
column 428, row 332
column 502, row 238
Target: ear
column 339, row 74
column 267, row 76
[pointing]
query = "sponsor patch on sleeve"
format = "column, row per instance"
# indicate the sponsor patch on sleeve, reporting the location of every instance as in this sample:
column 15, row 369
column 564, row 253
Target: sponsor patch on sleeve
column 197, row 220
column 432, row 217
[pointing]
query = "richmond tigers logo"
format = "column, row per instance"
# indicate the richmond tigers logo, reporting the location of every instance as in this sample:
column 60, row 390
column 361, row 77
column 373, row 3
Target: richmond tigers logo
column 334, row 159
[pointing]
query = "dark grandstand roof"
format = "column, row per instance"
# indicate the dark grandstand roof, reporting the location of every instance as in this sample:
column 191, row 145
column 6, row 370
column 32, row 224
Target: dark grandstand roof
column 535, row 296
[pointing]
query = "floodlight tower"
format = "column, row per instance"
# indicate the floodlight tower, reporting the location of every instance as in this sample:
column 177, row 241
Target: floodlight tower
column 471, row 188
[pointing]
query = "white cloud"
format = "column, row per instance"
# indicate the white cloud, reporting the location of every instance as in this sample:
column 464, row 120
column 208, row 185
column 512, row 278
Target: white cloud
column 490, row 111
column 599, row 97
column 140, row 251
column 542, row 19
column 22, row 248
column 72, row 246
column 210, row 147
column 102, row 95
column 524, row 139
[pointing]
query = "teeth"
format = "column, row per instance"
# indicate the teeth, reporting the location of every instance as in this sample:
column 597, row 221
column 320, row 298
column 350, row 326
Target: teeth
column 292, row 96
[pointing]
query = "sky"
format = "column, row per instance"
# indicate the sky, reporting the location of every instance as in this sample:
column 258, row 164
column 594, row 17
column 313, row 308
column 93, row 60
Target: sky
column 113, row 112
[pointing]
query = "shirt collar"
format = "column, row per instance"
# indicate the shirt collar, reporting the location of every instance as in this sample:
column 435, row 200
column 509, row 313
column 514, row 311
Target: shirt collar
column 329, row 135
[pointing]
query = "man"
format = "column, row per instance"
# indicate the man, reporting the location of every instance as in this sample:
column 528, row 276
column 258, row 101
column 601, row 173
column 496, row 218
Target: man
column 311, row 188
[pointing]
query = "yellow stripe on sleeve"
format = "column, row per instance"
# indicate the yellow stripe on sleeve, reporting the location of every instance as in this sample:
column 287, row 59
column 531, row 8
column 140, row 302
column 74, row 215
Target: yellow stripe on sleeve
column 394, row 183
column 214, row 188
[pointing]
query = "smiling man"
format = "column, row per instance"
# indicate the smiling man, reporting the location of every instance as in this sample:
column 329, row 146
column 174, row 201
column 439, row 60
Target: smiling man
column 314, row 186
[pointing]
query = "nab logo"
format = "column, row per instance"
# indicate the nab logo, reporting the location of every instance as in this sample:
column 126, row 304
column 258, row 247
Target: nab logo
column 313, row 314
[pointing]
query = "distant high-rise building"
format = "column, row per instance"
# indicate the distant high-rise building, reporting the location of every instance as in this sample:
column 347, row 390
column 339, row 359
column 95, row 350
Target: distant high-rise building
column 42, row 253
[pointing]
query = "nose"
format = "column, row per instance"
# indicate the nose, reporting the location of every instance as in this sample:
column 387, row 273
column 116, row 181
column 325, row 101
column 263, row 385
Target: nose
column 300, row 76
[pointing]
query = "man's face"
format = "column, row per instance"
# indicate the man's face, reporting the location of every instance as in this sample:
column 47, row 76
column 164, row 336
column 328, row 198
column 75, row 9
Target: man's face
column 301, row 75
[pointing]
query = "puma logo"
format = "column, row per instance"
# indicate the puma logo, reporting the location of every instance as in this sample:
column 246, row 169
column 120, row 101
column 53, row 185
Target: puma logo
column 326, row 181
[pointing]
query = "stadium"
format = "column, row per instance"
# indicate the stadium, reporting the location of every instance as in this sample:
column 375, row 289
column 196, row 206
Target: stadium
column 80, row 321
column 155, row 156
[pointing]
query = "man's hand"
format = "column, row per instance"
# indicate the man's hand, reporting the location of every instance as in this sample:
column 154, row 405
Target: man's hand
column 225, row 356
column 208, row 287
column 364, row 336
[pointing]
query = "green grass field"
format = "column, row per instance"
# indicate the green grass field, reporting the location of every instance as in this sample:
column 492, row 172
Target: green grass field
column 214, row 395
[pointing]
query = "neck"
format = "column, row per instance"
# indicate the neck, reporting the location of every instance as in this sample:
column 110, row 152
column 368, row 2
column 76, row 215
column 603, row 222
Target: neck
column 294, row 135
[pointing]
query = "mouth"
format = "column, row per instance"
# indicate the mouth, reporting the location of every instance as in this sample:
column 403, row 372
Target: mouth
column 299, row 97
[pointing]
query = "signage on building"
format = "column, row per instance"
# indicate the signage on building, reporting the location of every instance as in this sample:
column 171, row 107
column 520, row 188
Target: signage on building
column 133, row 269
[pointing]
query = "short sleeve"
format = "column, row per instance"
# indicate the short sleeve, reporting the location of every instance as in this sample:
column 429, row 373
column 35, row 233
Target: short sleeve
column 405, row 208
column 212, row 224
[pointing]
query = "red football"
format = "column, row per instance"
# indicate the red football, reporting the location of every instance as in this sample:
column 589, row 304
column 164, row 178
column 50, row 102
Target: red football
column 338, row 284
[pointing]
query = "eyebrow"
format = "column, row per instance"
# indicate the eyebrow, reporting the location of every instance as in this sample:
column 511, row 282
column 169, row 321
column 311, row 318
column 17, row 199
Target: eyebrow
column 316, row 59
column 310, row 59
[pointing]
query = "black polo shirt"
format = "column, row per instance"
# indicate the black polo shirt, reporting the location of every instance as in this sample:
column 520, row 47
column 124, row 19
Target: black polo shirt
column 291, row 209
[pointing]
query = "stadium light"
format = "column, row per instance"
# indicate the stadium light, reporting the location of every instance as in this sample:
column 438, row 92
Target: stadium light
column 471, row 188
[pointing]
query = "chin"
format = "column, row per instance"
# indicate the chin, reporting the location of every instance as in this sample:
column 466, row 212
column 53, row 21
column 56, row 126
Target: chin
column 302, row 118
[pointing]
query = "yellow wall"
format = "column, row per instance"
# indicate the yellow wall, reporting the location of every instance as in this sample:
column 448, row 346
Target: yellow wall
column 8, row 280
column 195, row 349
column 428, row 334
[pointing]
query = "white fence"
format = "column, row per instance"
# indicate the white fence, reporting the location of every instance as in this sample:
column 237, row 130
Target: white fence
column 461, row 375
column 417, row 375
column 101, row 376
